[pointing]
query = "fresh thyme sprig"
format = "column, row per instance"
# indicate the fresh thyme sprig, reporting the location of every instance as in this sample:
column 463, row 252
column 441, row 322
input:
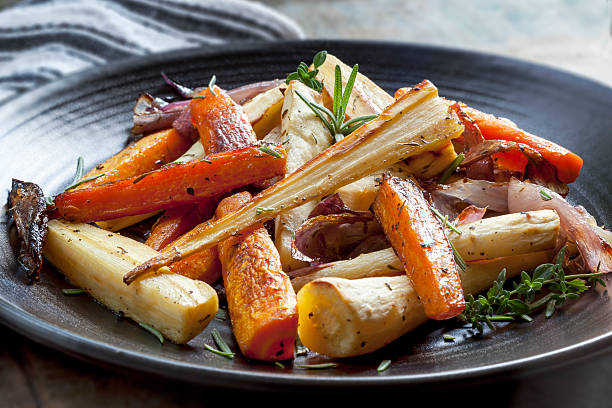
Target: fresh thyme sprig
column 308, row 77
column 334, row 120
column 502, row 305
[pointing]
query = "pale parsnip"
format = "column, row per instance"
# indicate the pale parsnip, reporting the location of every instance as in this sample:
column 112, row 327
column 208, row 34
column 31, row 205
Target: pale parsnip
column 96, row 261
column 264, row 110
column 497, row 237
column 344, row 318
column 509, row 234
column 304, row 137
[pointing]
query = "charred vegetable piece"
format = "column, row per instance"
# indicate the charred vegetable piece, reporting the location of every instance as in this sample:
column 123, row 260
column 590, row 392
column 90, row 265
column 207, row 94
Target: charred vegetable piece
column 27, row 207
column 417, row 122
column 421, row 243
column 261, row 301
column 173, row 185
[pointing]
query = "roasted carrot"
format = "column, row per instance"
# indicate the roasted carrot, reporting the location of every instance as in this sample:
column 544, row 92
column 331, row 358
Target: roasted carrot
column 149, row 153
column 203, row 265
column 568, row 164
column 176, row 221
column 261, row 300
column 221, row 122
column 173, row 185
column 420, row 242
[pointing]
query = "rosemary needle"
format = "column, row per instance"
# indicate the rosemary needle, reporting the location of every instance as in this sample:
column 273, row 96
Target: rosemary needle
column 153, row 331
column 383, row 366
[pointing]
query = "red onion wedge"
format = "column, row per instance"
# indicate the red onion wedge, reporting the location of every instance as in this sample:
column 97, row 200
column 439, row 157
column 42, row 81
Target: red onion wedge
column 596, row 252
column 481, row 193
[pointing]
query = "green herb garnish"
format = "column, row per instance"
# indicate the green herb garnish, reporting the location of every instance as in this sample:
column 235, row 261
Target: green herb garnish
column 211, row 85
column 153, row 331
column 445, row 220
column 50, row 201
column 85, row 180
column 78, row 174
column 220, row 342
column 321, row 366
column 308, row 77
column 448, row 337
column 544, row 195
column 229, row 355
column 73, row 291
column 261, row 210
column 334, row 120
column 502, row 305
column 279, row 364
column 383, row 366
column 269, row 151
column 451, row 168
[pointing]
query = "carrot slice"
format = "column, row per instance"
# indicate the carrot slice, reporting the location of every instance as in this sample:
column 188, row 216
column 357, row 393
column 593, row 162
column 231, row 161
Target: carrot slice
column 173, row 185
column 221, row 122
column 149, row 153
column 421, row 244
column 261, row 300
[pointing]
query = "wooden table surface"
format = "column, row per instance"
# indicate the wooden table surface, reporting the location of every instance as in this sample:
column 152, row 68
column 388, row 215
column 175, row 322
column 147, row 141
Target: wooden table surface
column 571, row 35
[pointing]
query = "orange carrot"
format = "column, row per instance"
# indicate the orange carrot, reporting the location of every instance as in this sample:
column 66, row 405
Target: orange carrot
column 149, row 153
column 262, row 303
column 203, row 265
column 568, row 164
column 421, row 244
column 176, row 221
column 174, row 185
column 221, row 122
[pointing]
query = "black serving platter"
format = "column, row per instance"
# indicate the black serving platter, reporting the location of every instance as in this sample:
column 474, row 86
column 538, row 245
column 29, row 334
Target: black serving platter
column 89, row 114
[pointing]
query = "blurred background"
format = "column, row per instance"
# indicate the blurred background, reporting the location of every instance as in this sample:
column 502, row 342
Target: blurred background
column 572, row 35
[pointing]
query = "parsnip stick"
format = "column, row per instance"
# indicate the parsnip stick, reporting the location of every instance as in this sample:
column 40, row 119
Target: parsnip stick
column 304, row 136
column 344, row 318
column 513, row 231
column 96, row 261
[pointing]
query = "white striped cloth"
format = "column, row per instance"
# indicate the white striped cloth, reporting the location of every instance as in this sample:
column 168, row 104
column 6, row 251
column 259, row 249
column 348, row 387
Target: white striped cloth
column 42, row 40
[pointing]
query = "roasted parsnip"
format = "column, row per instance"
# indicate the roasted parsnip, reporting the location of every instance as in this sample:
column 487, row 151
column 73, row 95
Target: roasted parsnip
column 344, row 318
column 264, row 110
column 414, row 123
column 304, row 136
column 96, row 261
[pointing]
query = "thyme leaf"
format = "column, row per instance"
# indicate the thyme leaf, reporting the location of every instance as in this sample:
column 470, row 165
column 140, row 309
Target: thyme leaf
column 307, row 77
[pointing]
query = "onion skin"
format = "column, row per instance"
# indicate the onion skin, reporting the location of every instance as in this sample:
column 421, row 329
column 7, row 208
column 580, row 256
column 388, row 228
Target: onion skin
column 595, row 251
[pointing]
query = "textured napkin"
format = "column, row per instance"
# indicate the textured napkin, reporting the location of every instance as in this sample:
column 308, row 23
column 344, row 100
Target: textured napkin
column 43, row 40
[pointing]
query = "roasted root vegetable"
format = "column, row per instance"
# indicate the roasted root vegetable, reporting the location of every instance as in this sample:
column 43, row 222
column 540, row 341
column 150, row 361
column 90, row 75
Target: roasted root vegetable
column 344, row 318
column 418, row 121
column 305, row 136
column 264, row 110
column 420, row 242
column 501, row 237
column 96, row 260
column 221, row 122
column 261, row 301
column 174, row 185
column 149, row 153
column 566, row 163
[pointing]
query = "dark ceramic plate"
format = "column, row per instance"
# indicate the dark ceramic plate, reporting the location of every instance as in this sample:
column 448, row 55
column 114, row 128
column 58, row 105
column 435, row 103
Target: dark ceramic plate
column 88, row 115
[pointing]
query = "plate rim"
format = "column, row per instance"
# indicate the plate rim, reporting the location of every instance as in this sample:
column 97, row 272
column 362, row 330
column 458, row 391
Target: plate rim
column 84, row 348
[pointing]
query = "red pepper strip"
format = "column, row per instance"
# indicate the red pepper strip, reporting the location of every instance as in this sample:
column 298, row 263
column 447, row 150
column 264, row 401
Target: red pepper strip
column 174, row 185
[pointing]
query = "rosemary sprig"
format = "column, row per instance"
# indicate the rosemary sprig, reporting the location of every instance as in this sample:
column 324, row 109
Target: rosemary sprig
column 308, row 77
column 78, row 174
column 153, row 331
column 334, row 120
column 269, row 151
column 451, row 168
column 502, row 305
column 544, row 195
column 72, row 291
column 383, row 366
column 445, row 220
column 211, row 85
column 447, row 224
column 85, row 180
